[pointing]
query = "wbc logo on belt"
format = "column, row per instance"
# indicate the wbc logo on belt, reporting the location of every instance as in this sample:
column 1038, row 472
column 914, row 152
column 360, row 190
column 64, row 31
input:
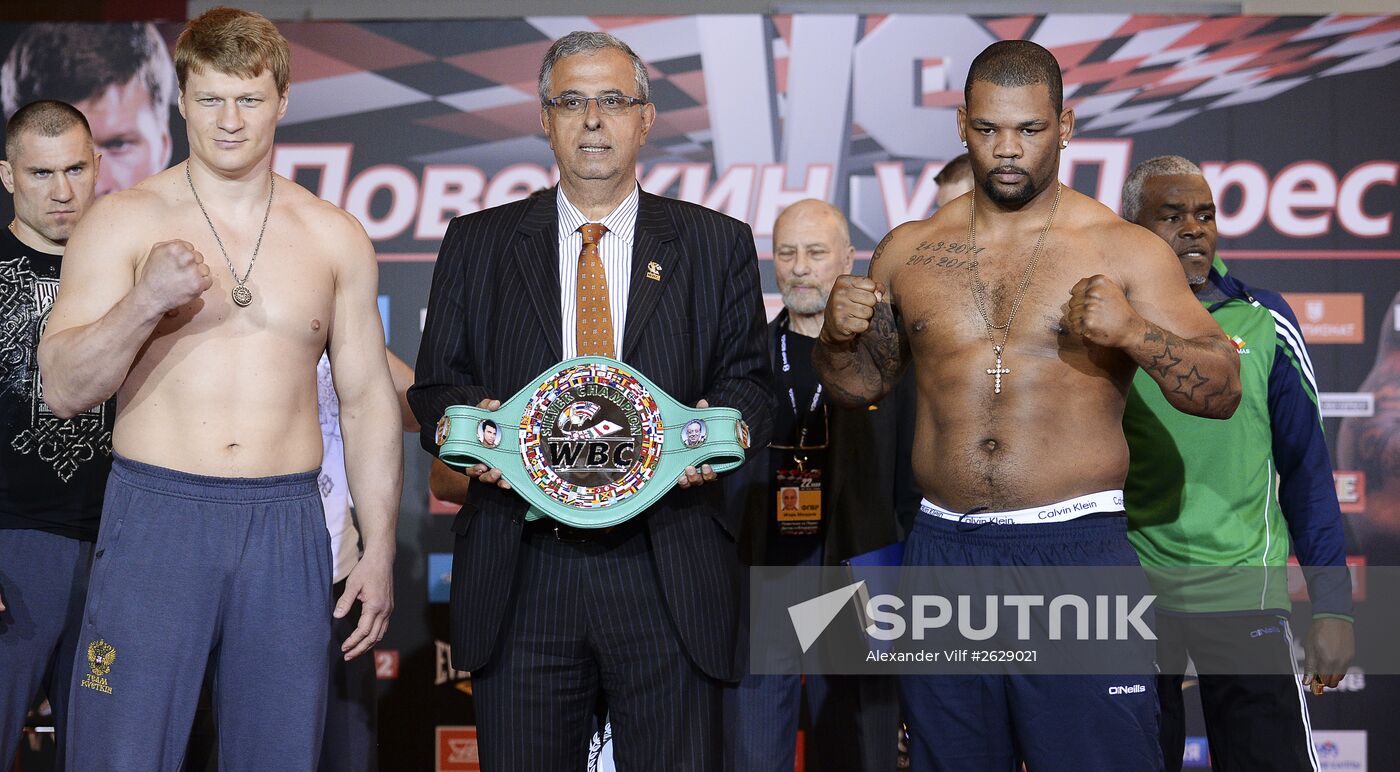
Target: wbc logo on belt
column 591, row 436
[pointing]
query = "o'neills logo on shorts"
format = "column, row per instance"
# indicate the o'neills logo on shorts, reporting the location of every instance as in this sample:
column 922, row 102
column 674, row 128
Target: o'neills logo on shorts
column 591, row 436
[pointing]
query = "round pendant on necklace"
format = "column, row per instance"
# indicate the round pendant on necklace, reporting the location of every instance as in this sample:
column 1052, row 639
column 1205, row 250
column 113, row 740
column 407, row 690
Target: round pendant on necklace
column 242, row 296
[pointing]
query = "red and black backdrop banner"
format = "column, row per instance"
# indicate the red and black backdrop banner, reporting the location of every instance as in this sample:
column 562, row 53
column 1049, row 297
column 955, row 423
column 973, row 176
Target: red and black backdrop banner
column 1292, row 119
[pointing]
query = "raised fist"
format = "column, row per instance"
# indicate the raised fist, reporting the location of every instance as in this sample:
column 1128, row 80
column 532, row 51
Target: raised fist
column 850, row 307
column 1099, row 312
column 174, row 274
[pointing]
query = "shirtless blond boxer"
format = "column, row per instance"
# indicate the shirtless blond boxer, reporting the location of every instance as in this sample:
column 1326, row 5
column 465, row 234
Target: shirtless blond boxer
column 203, row 298
column 1024, row 328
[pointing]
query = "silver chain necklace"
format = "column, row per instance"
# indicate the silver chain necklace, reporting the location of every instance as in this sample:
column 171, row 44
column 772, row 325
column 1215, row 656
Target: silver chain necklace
column 241, row 294
column 978, row 293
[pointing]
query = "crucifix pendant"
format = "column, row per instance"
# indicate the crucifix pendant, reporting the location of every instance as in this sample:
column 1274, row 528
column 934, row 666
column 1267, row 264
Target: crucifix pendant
column 997, row 371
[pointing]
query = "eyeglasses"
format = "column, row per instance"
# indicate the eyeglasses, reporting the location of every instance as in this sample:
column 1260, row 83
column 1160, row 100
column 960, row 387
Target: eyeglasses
column 608, row 104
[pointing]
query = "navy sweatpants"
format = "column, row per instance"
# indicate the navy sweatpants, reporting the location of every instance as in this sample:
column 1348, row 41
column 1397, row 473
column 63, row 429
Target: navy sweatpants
column 43, row 579
column 1049, row 722
column 194, row 572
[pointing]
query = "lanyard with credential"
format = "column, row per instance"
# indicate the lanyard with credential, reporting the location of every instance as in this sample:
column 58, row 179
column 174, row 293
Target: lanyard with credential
column 801, row 420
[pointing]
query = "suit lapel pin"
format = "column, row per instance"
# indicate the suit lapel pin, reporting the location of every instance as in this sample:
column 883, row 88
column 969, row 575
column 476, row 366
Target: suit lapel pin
column 654, row 271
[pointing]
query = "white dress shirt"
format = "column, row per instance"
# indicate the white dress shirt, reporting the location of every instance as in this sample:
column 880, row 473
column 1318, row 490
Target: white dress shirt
column 615, row 248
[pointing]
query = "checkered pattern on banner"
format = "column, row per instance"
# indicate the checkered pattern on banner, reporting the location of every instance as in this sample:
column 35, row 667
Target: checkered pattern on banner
column 469, row 85
column 1128, row 74
column 465, row 90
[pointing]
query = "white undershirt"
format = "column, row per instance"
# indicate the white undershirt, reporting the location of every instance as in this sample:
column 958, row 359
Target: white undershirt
column 335, row 487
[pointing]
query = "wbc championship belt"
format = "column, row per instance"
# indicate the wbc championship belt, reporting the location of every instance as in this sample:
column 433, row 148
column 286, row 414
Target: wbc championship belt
column 592, row 442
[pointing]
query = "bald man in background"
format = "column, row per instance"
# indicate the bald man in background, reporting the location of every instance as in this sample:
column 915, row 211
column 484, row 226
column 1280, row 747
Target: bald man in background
column 847, row 473
column 953, row 180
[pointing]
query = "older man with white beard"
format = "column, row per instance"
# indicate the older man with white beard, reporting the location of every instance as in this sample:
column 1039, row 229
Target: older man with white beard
column 849, row 471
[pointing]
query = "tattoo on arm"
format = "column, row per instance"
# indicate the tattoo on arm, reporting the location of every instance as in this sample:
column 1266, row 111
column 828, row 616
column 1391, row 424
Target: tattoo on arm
column 880, row 248
column 1163, row 361
column 886, row 346
column 1175, row 364
column 871, row 366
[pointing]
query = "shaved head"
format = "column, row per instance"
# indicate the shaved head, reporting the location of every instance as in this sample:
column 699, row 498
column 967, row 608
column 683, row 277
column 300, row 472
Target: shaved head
column 44, row 118
column 1017, row 63
column 815, row 207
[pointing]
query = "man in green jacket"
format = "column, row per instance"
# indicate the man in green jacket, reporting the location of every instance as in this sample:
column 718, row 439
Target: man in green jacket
column 1235, row 494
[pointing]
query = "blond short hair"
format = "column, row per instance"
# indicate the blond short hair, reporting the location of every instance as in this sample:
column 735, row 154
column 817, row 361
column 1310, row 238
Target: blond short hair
column 233, row 42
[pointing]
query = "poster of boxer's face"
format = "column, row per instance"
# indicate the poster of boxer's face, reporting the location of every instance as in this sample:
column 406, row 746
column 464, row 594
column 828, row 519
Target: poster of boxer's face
column 1368, row 448
column 409, row 124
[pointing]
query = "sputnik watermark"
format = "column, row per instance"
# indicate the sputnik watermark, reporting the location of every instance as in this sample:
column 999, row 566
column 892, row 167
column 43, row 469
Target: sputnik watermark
column 1096, row 618
column 1040, row 620
column 1111, row 616
column 810, row 618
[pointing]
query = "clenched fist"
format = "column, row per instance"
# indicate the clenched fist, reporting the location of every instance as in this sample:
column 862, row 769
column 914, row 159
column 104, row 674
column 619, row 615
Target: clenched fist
column 174, row 274
column 1099, row 312
column 850, row 307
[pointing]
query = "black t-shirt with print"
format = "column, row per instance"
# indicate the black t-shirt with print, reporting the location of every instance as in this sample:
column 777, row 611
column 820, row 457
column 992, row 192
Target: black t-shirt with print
column 52, row 472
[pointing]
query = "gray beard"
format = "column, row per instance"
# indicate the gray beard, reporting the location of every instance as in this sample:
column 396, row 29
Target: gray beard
column 803, row 306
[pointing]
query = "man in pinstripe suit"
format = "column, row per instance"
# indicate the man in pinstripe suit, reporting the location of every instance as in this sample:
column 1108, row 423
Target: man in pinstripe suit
column 553, row 621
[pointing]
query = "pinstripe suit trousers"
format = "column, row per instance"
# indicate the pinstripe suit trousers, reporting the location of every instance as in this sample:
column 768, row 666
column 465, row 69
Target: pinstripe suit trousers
column 588, row 625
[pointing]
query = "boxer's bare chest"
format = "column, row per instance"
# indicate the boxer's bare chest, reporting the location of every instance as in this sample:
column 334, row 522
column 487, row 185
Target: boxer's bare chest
column 953, row 297
column 281, row 289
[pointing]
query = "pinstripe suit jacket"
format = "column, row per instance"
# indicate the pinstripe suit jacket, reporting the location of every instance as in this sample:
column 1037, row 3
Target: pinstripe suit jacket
column 494, row 322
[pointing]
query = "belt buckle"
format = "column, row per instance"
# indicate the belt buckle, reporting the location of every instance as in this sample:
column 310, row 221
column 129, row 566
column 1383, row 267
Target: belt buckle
column 570, row 535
